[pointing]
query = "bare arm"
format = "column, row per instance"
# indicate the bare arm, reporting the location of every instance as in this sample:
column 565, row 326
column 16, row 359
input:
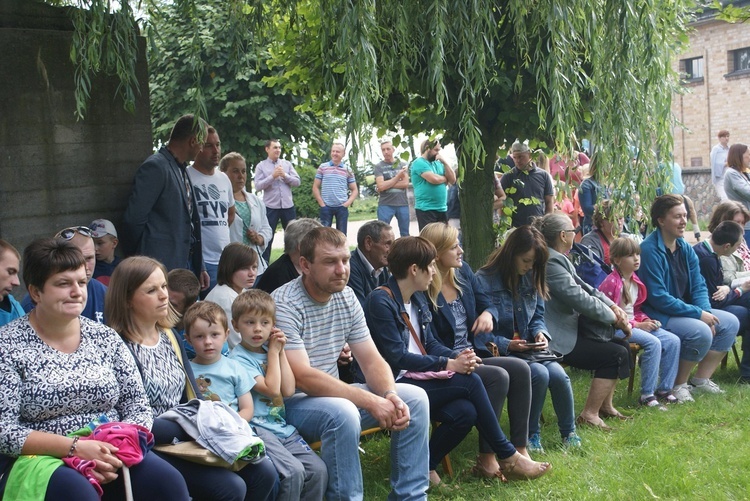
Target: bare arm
column 319, row 384
column 400, row 180
column 353, row 192
column 316, row 192
column 230, row 216
column 245, row 405
column 549, row 204
column 433, row 178
column 450, row 174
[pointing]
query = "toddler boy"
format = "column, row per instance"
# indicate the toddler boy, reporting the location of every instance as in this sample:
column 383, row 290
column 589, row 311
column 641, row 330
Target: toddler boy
column 105, row 243
column 303, row 474
column 207, row 329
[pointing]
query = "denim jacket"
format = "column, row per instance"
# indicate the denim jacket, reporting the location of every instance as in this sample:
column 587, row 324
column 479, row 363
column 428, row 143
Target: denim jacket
column 391, row 334
column 528, row 308
column 476, row 301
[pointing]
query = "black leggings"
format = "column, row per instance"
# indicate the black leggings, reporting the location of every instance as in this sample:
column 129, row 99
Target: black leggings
column 610, row 360
column 508, row 377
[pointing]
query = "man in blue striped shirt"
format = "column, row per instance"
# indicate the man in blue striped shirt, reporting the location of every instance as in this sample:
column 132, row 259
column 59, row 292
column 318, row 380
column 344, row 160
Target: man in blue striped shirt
column 335, row 189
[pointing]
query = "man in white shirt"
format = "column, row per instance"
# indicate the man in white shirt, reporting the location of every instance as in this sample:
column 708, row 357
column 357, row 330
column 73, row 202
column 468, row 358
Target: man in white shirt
column 215, row 200
column 719, row 164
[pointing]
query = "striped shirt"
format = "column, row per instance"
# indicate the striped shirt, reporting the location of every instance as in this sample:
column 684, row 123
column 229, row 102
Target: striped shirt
column 320, row 328
column 334, row 183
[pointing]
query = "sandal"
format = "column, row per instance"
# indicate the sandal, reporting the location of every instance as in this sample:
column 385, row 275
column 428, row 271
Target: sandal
column 617, row 414
column 651, row 402
column 580, row 420
column 667, row 397
column 508, row 467
column 479, row 471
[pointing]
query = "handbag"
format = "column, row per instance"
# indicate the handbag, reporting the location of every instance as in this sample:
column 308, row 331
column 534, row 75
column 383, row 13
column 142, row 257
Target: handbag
column 545, row 355
column 195, row 453
column 418, row 375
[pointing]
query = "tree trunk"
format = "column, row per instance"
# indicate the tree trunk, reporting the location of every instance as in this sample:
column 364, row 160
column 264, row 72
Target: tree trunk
column 476, row 197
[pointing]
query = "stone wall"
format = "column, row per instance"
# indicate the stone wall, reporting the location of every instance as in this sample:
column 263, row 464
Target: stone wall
column 57, row 171
column 699, row 188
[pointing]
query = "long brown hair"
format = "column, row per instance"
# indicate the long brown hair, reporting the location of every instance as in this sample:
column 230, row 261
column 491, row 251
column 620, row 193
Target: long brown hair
column 619, row 248
column 734, row 157
column 127, row 277
column 502, row 261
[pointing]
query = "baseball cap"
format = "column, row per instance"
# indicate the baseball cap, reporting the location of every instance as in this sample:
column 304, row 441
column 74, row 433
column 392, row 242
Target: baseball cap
column 101, row 227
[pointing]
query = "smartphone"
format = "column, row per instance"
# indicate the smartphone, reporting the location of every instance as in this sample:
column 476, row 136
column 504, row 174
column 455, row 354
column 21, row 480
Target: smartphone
column 534, row 345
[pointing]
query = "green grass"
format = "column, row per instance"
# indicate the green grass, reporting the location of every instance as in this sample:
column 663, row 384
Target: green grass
column 693, row 451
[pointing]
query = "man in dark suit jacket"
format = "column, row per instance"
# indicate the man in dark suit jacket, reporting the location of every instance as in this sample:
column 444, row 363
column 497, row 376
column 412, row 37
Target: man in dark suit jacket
column 370, row 258
column 161, row 220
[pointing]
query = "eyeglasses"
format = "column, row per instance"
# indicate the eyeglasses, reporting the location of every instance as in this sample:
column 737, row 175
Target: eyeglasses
column 69, row 233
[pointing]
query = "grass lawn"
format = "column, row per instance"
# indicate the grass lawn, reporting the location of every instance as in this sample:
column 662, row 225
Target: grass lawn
column 693, row 451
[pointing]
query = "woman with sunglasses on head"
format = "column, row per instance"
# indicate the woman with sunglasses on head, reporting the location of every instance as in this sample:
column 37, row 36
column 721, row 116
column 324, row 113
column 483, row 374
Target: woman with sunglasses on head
column 59, row 372
column 462, row 310
column 82, row 237
column 581, row 322
column 400, row 322
column 138, row 308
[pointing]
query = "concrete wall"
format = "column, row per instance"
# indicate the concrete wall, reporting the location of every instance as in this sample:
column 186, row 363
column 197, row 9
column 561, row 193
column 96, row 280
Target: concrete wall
column 57, row 171
column 699, row 188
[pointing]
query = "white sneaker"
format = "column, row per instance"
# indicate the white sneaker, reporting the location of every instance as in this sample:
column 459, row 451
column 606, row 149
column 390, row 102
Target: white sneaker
column 682, row 394
column 707, row 387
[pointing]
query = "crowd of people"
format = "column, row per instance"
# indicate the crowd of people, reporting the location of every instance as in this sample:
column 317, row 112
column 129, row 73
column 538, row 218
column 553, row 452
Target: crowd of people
column 195, row 329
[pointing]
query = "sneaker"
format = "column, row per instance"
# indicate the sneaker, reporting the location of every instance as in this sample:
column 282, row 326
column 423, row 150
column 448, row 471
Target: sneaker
column 707, row 387
column 682, row 394
column 651, row 402
column 572, row 441
column 535, row 444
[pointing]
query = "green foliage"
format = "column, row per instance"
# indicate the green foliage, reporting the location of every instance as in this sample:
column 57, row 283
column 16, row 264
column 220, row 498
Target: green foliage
column 304, row 200
column 219, row 74
column 480, row 72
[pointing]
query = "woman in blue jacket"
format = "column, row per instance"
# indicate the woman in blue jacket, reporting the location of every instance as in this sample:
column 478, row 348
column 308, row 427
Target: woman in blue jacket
column 399, row 320
column 678, row 298
column 462, row 309
column 514, row 276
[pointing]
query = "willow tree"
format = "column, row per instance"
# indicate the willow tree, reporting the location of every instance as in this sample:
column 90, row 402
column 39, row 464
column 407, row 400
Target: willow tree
column 482, row 71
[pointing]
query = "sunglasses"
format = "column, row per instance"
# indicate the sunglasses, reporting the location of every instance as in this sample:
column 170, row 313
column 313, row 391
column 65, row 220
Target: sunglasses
column 69, row 233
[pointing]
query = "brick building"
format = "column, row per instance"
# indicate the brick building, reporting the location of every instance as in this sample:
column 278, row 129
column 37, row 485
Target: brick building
column 716, row 71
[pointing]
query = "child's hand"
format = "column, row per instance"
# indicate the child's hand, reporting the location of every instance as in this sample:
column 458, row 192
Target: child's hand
column 277, row 340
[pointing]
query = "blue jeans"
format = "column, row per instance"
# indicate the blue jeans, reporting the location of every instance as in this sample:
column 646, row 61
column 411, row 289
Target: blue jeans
column 213, row 271
column 659, row 360
column 337, row 422
column 460, row 403
column 273, row 216
column 340, row 213
column 696, row 338
column 401, row 212
column 551, row 375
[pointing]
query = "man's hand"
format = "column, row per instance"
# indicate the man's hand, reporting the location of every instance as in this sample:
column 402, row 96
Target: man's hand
column 402, row 413
column 278, row 172
column 204, row 280
column 345, row 357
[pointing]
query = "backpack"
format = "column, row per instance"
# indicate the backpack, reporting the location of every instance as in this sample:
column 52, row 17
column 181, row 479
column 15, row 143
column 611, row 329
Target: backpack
column 589, row 267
